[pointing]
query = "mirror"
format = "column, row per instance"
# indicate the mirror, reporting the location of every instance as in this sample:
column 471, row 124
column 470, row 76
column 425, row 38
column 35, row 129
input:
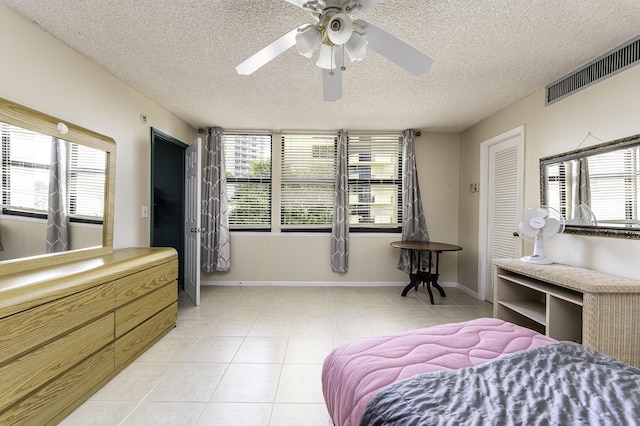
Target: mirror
column 35, row 147
column 595, row 188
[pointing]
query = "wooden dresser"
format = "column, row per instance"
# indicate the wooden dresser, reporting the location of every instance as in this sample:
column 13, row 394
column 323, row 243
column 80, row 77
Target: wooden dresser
column 599, row 310
column 68, row 329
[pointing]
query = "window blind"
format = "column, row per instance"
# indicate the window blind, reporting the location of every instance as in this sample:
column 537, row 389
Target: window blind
column 86, row 181
column 614, row 194
column 375, row 180
column 614, row 184
column 26, row 157
column 25, row 169
column 248, row 167
column 308, row 179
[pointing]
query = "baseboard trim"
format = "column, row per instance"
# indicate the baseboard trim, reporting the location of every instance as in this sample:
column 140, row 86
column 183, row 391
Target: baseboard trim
column 468, row 291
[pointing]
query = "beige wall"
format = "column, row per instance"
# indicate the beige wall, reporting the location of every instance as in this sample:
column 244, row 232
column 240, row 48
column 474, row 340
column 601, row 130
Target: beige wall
column 609, row 110
column 23, row 237
column 41, row 73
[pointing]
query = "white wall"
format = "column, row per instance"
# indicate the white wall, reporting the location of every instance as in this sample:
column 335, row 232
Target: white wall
column 41, row 73
column 609, row 110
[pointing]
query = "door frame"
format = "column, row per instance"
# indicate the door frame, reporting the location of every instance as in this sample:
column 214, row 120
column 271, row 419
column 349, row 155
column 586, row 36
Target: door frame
column 158, row 136
column 483, row 216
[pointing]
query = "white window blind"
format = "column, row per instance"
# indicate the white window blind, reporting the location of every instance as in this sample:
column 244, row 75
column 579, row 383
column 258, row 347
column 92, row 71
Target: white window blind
column 25, row 169
column 614, row 193
column 614, row 184
column 375, row 180
column 248, row 166
column 26, row 157
column 556, row 195
column 308, row 179
column 86, row 181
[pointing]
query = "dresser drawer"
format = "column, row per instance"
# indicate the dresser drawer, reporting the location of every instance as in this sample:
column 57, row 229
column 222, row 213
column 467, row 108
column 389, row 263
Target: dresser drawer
column 135, row 285
column 26, row 373
column 138, row 340
column 136, row 312
column 68, row 391
column 26, row 330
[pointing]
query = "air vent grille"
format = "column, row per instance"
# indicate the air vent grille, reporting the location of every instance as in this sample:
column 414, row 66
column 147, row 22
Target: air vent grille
column 610, row 63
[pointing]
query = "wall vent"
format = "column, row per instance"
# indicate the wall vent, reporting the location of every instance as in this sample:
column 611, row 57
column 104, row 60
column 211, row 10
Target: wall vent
column 618, row 59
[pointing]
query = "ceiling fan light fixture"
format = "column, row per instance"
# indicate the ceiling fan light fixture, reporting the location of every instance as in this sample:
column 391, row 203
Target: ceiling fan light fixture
column 339, row 28
column 327, row 58
column 356, row 47
column 308, row 40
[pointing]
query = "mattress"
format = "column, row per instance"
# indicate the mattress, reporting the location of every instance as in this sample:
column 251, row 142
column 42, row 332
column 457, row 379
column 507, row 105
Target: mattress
column 355, row 372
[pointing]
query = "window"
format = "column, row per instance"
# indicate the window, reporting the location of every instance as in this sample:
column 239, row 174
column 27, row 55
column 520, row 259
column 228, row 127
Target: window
column 614, row 193
column 86, row 181
column 248, row 167
column 557, row 191
column 308, row 179
column 614, row 184
column 25, row 176
column 375, row 181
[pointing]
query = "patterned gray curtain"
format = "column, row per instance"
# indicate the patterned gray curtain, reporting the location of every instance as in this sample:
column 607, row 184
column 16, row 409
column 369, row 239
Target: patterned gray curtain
column 340, row 225
column 581, row 192
column 414, row 225
column 57, row 232
column 216, row 251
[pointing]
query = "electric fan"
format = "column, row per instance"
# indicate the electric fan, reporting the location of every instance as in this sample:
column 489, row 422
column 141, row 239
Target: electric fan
column 535, row 224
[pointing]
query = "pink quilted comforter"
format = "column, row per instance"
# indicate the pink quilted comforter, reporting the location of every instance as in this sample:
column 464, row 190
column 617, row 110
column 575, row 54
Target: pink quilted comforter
column 354, row 373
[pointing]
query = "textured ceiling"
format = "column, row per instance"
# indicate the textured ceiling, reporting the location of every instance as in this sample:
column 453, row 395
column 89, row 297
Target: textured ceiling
column 487, row 54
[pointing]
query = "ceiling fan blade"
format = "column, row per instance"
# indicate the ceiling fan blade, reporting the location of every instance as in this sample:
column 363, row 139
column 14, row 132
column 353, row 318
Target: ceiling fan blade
column 394, row 49
column 332, row 84
column 269, row 52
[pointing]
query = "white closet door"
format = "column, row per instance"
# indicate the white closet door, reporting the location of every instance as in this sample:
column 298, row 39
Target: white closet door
column 503, row 201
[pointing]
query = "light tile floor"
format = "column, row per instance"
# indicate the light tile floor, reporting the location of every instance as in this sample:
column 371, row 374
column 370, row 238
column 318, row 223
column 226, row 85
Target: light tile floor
column 253, row 355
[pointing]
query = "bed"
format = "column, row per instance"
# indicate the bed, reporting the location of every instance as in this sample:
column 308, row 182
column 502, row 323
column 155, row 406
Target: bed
column 484, row 371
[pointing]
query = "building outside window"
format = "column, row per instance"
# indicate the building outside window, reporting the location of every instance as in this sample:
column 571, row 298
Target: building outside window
column 375, row 181
column 248, row 167
column 374, row 173
column 308, row 179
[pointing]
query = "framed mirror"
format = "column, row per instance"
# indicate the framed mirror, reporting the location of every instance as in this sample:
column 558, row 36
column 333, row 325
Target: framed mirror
column 58, row 183
column 595, row 188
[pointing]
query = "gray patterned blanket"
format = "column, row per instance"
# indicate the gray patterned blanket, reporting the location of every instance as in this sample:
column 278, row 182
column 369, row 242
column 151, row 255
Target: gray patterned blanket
column 557, row 384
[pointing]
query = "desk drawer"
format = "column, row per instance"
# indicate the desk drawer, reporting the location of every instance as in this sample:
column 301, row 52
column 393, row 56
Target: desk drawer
column 29, row 329
column 136, row 312
column 133, row 286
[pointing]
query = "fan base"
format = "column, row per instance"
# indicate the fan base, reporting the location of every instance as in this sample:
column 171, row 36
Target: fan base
column 539, row 260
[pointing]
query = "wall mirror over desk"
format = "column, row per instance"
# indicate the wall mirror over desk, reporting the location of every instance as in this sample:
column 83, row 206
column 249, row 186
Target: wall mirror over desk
column 596, row 188
column 87, row 178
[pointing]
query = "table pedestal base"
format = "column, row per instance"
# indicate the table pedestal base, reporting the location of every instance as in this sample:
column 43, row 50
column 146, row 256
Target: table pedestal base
column 428, row 279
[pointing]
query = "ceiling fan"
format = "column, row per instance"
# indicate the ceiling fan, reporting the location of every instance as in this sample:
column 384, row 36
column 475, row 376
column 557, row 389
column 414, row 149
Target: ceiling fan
column 335, row 31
